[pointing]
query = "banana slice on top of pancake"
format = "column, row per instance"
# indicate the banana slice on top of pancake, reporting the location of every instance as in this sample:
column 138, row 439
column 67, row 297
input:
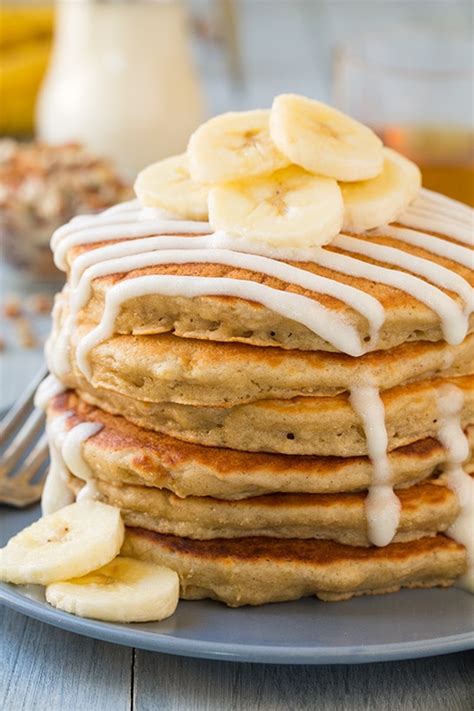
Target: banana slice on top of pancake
column 288, row 208
column 233, row 146
column 376, row 202
column 71, row 542
column 169, row 186
column 323, row 140
column 125, row 590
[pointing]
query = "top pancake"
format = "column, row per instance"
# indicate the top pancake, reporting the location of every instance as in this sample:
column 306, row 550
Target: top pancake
column 226, row 318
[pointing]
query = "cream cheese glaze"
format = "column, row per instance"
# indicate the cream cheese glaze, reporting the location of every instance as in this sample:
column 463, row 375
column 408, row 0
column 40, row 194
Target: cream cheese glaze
column 71, row 449
column 133, row 252
column 89, row 492
column 56, row 493
column 322, row 321
column 47, row 389
column 436, row 213
column 455, row 443
column 66, row 456
column 382, row 505
column 430, row 243
column 150, row 237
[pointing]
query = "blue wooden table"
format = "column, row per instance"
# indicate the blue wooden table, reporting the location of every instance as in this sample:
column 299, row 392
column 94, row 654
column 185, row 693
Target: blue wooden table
column 44, row 668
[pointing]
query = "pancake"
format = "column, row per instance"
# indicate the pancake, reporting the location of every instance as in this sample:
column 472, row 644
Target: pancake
column 189, row 372
column 227, row 318
column 426, row 509
column 122, row 453
column 250, row 399
column 325, row 426
column 253, row 571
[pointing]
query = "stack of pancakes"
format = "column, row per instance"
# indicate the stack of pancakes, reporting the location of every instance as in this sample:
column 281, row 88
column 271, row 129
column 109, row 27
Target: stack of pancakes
column 227, row 437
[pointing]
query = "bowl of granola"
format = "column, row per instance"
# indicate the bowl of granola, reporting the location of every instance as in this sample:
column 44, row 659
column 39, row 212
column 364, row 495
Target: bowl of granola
column 41, row 187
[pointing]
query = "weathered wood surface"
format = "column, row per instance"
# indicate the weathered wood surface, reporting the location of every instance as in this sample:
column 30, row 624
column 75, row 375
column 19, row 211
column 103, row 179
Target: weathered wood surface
column 173, row 684
column 45, row 669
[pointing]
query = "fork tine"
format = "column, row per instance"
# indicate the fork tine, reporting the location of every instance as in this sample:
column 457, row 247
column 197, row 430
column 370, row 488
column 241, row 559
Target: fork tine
column 19, row 411
column 20, row 499
column 34, row 461
column 23, row 439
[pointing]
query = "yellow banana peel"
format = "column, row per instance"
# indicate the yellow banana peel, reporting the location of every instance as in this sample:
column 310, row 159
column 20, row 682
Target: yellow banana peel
column 25, row 45
column 18, row 24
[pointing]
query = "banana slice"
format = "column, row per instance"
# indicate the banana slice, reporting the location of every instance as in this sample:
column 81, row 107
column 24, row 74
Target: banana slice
column 376, row 202
column 73, row 541
column 167, row 184
column 233, row 146
column 323, row 140
column 290, row 208
column 125, row 590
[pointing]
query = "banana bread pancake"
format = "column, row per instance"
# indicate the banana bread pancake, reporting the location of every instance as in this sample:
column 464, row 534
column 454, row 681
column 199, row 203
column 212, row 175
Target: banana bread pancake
column 326, row 426
column 171, row 369
column 122, row 453
column 264, row 366
column 427, row 509
column 227, row 318
column 253, row 571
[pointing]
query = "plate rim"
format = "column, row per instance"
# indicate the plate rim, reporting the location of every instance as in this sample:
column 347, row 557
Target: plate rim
column 168, row 644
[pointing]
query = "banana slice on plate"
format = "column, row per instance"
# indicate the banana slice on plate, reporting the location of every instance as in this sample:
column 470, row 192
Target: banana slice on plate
column 168, row 185
column 376, row 202
column 323, row 140
column 290, row 208
column 70, row 542
column 232, row 146
column 125, row 590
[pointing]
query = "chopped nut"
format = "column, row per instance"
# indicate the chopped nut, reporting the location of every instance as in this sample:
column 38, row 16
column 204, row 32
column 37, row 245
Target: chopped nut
column 40, row 303
column 12, row 306
column 41, row 187
column 25, row 334
column 7, row 149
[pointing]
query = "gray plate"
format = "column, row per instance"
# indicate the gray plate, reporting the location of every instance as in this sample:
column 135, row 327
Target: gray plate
column 412, row 623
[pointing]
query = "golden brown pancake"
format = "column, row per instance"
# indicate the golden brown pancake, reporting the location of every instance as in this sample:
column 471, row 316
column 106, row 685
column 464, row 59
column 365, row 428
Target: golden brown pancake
column 122, row 453
column 222, row 318
column 426, row 509
column 325, row 426
column 253, row 571
column 189, row 372
column 244, row 467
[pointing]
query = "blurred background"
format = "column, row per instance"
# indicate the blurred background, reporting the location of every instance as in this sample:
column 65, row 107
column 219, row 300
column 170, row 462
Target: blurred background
column 93, row 90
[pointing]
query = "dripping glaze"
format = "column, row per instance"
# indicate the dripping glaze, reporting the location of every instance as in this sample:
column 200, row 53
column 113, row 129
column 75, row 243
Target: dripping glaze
column 437, row 213
column 148, row 237
column 47, row 390
column 382, row 505
column 66, row 456
column 56, row 494
column 455, row 443
column 145, row 232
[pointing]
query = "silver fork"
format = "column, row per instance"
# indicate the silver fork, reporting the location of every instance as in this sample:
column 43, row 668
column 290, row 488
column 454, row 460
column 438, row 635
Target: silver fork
column 24, row 450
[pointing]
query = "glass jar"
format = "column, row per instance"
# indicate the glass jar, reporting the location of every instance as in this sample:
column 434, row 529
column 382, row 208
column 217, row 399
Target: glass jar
column 414, row 87
column 121, row 81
